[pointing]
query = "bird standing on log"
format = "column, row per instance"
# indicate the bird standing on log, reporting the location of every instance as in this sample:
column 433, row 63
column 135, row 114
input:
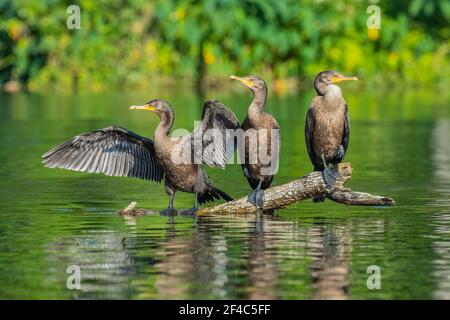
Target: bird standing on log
column 327, row 129
column 116, row 151
column 259, row 173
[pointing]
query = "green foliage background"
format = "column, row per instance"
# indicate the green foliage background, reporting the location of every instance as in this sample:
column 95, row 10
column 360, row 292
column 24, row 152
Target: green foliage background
column 140, row 44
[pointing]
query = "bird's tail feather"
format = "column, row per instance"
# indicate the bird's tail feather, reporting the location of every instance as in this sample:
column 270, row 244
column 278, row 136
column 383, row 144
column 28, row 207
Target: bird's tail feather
column 213, row 194
column 223, row 195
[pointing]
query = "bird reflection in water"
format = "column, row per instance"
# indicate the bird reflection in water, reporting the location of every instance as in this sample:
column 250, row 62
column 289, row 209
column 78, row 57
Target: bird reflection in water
column 203, row 260
column 330, row 251
column 239, row 257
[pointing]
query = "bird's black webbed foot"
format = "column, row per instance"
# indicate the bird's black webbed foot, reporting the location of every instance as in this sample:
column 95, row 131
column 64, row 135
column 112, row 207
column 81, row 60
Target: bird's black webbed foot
column 257, row 197
column 188, row 212
column 330, row 176
column 191, row 212
column 318, row 199
column 169, row 212
column 260, row 197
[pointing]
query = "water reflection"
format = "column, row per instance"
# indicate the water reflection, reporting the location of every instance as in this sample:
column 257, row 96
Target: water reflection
column 50, row 219
column 213, row 258
column 262, row 270
column 330, row 251
column 206, row 259
column 441, row 220
column 105, row 262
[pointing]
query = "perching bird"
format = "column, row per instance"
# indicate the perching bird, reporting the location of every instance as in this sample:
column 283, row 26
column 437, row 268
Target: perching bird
column 327, row 129
column 116, row 151
column 259, row 172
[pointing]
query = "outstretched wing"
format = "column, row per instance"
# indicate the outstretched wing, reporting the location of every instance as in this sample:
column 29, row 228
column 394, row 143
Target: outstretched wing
column 113, row 151
column 217, row 132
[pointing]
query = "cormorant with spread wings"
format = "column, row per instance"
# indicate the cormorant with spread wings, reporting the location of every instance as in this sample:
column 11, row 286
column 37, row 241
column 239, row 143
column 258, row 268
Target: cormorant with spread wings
column 116, row 151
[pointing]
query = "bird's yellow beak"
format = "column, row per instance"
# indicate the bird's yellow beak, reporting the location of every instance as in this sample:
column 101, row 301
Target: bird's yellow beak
column 341, row 78
column 147, row 107
column 244, row 81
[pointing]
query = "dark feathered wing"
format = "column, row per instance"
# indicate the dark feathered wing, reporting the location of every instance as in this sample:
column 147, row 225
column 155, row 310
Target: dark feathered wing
column 218, row 144
column 113, row 151
column 309, row 134
column 346, row 137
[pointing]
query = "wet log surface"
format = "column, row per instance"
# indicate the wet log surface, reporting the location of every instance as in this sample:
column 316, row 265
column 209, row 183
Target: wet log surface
column 281, row 196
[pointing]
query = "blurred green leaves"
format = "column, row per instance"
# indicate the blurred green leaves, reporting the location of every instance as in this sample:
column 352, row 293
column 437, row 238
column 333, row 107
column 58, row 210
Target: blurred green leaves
column 140, row 44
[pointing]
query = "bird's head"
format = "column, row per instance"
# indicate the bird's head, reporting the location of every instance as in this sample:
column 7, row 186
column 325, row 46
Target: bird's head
column 254, row 83
column 157, row 106
column 326, row 78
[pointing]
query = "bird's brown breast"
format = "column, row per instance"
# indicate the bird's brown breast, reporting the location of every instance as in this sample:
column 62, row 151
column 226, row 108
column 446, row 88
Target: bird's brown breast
column 253, row 171
column 328, row 131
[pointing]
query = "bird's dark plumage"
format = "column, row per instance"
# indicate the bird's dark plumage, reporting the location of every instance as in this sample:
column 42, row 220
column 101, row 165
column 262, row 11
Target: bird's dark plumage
column 327, row 127
column 213, row 194
column 259, row 174
column 113, row 151
column 332, row 141
column 116, row 151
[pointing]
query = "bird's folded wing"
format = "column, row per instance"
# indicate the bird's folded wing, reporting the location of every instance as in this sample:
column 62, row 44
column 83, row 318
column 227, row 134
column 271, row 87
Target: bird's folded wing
column 309, row 135
column 346, row 136
column 113, row 151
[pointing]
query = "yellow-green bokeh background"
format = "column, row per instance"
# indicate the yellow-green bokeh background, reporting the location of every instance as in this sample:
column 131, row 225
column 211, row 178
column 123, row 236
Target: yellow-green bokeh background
column 147, row 45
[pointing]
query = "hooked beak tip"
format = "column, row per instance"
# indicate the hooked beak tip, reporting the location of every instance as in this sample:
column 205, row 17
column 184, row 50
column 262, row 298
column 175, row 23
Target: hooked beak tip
column 246, row 82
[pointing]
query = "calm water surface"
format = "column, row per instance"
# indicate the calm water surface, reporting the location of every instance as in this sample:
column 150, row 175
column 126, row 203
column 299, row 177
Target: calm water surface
column 51, row 219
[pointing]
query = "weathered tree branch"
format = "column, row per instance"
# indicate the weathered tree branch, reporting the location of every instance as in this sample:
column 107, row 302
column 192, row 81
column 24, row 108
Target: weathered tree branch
column 303, row 188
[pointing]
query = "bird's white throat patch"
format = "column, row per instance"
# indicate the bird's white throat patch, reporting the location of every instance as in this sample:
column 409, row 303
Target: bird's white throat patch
column 334, row 90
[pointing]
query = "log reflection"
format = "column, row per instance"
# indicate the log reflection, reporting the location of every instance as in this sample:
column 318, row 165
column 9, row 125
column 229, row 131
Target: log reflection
column 252, row 257
column 203, row 261
column 199, row 265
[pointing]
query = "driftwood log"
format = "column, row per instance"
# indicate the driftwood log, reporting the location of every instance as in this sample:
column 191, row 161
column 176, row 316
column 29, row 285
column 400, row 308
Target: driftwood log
column 303, row 188
column 300, row 189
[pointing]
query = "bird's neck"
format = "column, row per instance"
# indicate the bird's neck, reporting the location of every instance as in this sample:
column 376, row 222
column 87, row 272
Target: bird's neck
column 258, row 103
column 165, row 124
column 332, row 95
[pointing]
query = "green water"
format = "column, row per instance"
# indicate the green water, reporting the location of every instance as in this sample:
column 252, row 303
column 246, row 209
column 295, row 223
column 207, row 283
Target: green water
column 51, row 219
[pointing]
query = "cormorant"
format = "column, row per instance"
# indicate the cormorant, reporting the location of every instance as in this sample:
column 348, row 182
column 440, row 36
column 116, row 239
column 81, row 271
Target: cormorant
column 116, row 151
column 259, row 173
column 327, row 129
